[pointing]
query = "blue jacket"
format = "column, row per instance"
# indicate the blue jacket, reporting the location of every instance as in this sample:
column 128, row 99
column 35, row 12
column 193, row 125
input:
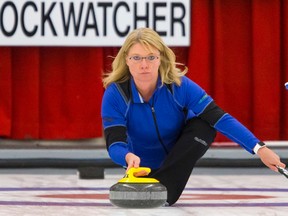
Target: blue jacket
column 132, row 125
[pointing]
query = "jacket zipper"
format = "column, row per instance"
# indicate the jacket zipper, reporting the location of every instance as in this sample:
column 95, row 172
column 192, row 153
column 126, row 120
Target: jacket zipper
column 157, row 129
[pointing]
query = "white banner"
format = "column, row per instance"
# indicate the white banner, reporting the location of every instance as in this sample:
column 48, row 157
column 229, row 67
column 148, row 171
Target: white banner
column 91, row 22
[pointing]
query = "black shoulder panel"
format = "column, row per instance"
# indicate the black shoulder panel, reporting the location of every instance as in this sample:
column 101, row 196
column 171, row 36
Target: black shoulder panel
column 169, row 86
column 125, row 90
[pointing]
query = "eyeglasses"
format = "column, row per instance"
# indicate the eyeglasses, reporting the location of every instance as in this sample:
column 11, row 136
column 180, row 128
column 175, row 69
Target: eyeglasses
column 138, row 59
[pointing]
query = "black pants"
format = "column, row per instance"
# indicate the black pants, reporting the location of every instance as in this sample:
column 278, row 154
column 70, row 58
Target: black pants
column 192, row 144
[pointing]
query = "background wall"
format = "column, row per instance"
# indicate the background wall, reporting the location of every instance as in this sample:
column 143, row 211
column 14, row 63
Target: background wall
column 238, row 54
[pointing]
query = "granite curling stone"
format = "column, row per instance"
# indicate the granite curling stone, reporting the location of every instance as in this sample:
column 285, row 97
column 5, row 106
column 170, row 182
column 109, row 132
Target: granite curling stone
column 138, row 192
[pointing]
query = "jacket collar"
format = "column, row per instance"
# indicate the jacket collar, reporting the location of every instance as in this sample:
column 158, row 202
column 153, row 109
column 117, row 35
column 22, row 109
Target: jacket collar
column 136, row 96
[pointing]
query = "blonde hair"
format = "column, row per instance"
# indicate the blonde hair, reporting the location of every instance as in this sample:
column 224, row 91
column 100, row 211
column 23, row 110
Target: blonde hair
column 149, row 38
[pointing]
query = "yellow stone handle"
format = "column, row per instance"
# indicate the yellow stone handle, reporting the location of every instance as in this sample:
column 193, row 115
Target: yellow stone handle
column 132, row 170
column 130, row 178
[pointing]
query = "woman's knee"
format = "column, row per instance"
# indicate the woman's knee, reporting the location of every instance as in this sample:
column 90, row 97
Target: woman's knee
column 198, row 128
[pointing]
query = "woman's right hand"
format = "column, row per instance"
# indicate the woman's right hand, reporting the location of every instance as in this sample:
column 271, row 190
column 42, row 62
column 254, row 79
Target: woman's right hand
column 133, row 160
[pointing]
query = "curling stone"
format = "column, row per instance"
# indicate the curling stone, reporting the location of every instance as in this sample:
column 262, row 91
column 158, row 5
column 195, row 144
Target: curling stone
column 138, row 192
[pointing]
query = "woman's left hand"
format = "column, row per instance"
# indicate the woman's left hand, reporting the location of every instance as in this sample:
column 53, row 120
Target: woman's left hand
column 270, row 158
